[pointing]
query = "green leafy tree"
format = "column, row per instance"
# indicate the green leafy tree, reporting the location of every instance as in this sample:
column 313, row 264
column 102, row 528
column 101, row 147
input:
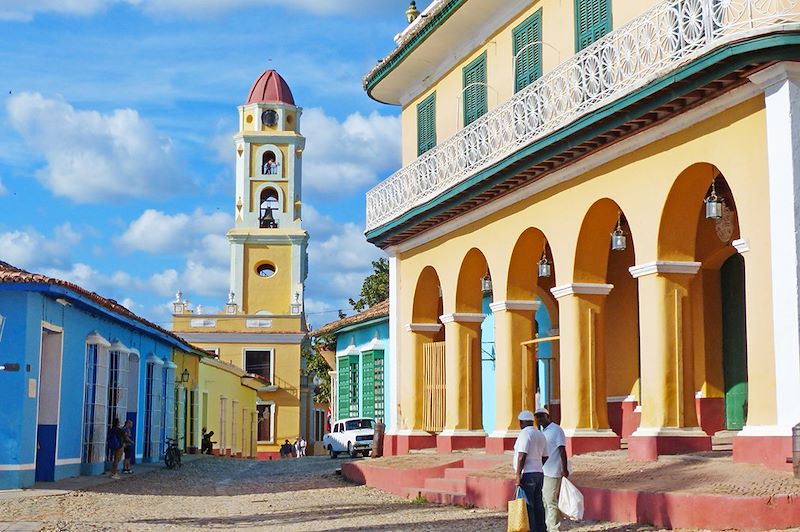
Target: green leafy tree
column 316, row 365
column 375, row 287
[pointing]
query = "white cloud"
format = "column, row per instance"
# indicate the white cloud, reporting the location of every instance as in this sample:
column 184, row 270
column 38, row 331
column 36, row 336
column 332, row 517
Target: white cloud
column 29, row 249
column 93, row 157
column 344, row 156
column 20, row 10
column 198, row 233
column 3, row 189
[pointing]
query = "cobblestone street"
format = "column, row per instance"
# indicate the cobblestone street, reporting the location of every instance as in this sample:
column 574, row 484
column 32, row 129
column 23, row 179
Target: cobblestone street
column 227, row 494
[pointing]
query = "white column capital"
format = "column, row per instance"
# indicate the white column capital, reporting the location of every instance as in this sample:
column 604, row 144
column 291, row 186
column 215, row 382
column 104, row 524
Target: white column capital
column 665, row 266
column 597, row 289
column 777, row 73
column 462, row 317
column 741, row 245
column 502, row 306
column 423, row 327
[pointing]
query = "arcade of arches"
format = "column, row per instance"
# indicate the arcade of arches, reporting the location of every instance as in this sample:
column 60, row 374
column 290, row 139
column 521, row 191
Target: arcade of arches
column 664, row 341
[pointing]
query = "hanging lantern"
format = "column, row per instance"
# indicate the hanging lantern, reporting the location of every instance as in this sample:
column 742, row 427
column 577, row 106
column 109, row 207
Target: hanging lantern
column 713, row 204
column 619, row 241
column 545, row 268
column 486, row 283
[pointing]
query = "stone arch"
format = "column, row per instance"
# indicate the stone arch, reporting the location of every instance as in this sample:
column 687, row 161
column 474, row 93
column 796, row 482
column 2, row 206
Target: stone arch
column 469, row 297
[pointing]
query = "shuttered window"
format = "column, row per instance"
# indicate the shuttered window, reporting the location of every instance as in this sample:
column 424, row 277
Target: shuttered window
column 426, row 124
column 372, row 380
column 475, row 104
column 592, row 21
column 528, row 51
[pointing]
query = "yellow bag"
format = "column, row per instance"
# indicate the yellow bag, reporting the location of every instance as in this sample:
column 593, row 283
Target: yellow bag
column 518, row 514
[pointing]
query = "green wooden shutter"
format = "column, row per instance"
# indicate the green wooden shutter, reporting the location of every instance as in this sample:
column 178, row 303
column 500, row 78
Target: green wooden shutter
column 343, row 371
column 475, row 103
column 368, row 385
column 380, row 397
column 528, row 55
column 353, row 382
column 592, row 21
column 426, row 124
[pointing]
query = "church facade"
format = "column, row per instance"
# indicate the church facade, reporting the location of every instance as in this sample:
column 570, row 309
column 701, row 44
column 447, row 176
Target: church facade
column 263, row 327
column 613, row 186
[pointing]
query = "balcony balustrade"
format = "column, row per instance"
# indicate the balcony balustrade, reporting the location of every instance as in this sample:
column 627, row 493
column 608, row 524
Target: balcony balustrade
column 667, row 36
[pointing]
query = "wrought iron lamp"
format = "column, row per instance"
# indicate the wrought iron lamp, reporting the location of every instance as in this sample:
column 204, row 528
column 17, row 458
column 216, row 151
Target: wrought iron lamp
column 185, row 376
column 545, row 269
column 619, row 242
column 486, row 283
column 713, row 203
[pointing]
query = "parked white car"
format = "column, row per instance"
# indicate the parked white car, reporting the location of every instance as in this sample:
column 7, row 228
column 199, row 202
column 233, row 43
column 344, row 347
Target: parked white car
column 351, row 436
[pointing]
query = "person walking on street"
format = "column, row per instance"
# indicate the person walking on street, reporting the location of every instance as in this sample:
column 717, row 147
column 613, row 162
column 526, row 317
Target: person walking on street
column 127, row 443
column 115, row 445
column 530, row 453
column 555, row 468
column 303, row 445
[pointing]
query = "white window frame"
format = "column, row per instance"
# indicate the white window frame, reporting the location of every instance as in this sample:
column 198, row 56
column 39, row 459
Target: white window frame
column 271, row 360
column 271, row 406
column 94, row 451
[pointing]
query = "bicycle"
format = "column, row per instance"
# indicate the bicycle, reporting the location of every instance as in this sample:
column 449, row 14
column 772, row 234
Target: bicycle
column 172, row 456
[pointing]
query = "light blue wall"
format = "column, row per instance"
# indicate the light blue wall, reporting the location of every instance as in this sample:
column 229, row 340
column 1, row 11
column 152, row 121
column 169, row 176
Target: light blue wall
column 25, row 311
column 361, row 336
column 488, row 366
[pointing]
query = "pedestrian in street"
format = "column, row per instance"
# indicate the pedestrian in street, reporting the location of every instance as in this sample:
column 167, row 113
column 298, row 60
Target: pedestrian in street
column 296, row 447
column 115, row 439
column 207, row 446
column 127, row 443
column 530, row 453
column 555, row 468
column 303, row 445
column 286, row 449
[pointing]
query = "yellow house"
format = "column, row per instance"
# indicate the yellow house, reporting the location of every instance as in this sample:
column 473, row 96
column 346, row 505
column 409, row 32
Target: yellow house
column 262, row 328
column 628, row 172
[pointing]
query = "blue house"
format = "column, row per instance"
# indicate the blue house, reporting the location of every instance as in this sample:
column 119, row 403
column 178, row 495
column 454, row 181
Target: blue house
column 70, row 363
column 361, row 376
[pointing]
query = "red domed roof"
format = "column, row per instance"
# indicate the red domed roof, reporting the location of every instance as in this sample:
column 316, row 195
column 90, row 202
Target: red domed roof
column 270, row 87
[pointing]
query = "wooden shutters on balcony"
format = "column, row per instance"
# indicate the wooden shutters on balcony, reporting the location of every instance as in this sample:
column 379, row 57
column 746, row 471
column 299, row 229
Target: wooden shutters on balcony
column 426, row 124
column 475, row 104
column 528, row 51
column 592, row 21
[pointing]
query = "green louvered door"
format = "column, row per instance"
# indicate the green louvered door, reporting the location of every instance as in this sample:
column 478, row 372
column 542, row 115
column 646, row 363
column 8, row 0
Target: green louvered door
column 426, row 124
column 353, row 383
column 343, row 379
column 592, row 21
column 528, row 51
column 475, row 104
column 368, row 390
column 734, row 342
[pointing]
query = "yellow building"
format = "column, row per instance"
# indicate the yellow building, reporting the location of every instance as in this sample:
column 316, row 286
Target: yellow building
column 263, row 328
column 629, row 170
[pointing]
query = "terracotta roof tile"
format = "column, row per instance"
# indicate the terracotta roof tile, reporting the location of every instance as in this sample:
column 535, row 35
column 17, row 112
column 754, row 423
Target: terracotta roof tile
column 379, row 310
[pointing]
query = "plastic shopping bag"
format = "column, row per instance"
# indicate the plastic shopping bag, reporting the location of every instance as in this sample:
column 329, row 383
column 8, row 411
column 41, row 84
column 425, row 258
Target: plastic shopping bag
column 518, row 513
column 570, row 500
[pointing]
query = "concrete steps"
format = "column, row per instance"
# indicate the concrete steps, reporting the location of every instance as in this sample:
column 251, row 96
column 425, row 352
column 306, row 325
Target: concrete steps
column 723, row 440
column 451, row 489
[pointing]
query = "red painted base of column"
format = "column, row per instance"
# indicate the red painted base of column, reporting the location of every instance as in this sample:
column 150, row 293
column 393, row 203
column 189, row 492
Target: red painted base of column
column 215, row 452
column 710, row 414
column 407, row 442
column 630, row 418
column 457, row 442
column 648, row 448
column 389, row 444
column 770, row 451
column 588, row 444
column 500, row 444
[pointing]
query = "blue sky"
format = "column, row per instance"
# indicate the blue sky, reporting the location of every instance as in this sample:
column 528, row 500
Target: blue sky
column 116, row 158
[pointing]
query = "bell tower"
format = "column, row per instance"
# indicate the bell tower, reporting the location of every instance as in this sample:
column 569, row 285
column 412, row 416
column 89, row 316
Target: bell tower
column 268, row 243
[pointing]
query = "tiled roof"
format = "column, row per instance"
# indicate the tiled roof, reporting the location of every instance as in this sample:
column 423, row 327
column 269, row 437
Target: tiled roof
column 11, row 274
column 379, row 310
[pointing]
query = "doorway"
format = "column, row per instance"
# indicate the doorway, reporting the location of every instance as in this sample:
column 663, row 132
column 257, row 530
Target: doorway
column 734, row 342
column 49, row 402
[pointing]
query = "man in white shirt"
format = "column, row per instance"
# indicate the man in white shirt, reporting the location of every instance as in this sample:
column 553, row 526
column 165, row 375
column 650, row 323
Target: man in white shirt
column 530, row 452
column 554, row 468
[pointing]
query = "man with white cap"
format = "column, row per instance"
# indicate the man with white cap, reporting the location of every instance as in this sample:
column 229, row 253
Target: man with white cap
column 554, row 468
column 530, row 452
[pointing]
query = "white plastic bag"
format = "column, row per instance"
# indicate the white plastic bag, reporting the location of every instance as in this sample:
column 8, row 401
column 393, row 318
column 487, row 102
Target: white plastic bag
column 570, row 500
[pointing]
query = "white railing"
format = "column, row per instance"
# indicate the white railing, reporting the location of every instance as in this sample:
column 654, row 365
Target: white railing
column 666, row 36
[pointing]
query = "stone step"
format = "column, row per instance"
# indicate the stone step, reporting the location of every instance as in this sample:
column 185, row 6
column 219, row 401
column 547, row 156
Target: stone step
column 452, row 498
column 456, row 485
column 484, row 462
column 723, row 440
column 623, row 443
column 460, row 472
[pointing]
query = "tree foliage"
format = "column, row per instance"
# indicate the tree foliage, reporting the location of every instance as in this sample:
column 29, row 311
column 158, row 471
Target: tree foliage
column 316, row 365
column 375, row 287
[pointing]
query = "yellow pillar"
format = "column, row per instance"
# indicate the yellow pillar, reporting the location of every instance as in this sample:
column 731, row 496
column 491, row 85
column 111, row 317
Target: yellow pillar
column 513, row 323
column 463, row 426
column 669, row 420
column 584, row 409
